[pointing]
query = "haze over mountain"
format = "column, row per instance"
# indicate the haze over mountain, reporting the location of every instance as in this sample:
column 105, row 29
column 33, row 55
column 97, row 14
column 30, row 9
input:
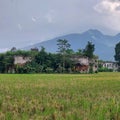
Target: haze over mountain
column 104, row 44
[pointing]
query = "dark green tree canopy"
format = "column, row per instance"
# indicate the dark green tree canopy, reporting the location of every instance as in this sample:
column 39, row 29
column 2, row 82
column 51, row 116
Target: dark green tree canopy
column 64, row 50
column 117, row 52
column 63, row 46
column 89, row 50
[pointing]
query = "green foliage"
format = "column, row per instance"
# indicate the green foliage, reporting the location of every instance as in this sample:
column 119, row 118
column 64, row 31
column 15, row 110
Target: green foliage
column 18, row 52
column 42, row 61
column 91, row 68
column 6, row 62
column 103, row 69
column 70, row 52
column 80, row 52
column 89, row 50
column 2, row 63
column 41, row 57
column 117, row 52
column 64, row 50
column 63, row 46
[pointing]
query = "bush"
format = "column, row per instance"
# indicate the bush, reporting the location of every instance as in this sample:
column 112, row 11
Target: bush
column 49, row 70
column 103, row 69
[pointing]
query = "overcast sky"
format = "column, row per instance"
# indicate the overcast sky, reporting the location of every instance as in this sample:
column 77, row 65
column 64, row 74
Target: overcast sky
column 25, row 22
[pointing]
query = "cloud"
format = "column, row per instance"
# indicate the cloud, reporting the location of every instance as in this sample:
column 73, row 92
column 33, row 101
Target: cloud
column 108, row 6
column 50, row 16
column 110, row 13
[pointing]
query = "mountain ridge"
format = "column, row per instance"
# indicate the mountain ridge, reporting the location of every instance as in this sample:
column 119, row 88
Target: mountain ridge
column 104, row 44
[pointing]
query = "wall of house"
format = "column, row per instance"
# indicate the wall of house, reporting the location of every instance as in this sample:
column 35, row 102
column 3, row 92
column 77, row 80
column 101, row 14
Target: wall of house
column 94, row 63
column 84, row 64
column 81, row 60
column 110, row 65
column 21, row 60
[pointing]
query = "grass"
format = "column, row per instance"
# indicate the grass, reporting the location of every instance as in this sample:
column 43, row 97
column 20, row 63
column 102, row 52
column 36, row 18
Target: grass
column 60, row 96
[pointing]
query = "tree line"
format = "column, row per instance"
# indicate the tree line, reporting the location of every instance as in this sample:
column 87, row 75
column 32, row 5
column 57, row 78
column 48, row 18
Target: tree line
column 45, row 62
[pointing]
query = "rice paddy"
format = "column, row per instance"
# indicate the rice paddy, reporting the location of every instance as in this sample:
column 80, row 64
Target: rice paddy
column 60, row 96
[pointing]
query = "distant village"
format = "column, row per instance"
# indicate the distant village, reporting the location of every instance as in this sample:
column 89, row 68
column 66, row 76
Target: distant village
column 81, row 64
column 64, row 61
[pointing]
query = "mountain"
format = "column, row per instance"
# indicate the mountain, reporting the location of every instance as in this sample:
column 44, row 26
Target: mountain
column 104, row 44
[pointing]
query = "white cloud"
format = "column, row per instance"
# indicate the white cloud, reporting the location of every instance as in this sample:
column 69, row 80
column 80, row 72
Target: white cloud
column 50, row 16
column 108, row 6
column 110, row 13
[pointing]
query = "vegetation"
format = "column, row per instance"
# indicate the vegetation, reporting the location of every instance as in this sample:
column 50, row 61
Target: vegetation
column 42, row 61
column 103, row 69
column 117, row 53
column 60, row 97
column 63, row 48
column 89, row 50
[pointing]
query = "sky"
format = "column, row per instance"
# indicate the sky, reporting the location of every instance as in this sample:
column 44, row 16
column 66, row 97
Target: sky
column 26, row 22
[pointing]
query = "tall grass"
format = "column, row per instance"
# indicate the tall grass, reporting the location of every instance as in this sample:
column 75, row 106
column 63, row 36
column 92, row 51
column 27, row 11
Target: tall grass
column 60, row 97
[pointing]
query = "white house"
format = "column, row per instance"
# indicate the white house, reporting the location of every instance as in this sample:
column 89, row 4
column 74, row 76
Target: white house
column 110, row 65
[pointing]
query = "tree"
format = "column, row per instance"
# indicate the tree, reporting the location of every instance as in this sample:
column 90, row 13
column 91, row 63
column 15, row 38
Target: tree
column 2, row 64
column 89, row 50
column 70, row 52
column 13, row 49
column 6, row 62
column 63, row 47
column 79, row 52
column 117, row 53
column 42, row 59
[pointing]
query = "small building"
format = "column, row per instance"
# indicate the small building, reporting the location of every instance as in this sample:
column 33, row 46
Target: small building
column 110, row 65
column 83, row 64
column 94, row 64
column 35, row 49
column 21, row 60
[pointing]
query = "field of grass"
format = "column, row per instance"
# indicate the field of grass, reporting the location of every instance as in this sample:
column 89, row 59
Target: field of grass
column 60, row 97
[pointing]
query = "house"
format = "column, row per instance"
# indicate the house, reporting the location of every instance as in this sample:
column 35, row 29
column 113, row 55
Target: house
column 94, row 64
column 81, row 64
column 21, row 60
column 110, row 65
column 35, row 49
column 84, row 64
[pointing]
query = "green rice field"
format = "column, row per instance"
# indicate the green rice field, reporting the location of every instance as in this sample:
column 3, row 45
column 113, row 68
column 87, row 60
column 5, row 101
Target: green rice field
column 60, row 96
